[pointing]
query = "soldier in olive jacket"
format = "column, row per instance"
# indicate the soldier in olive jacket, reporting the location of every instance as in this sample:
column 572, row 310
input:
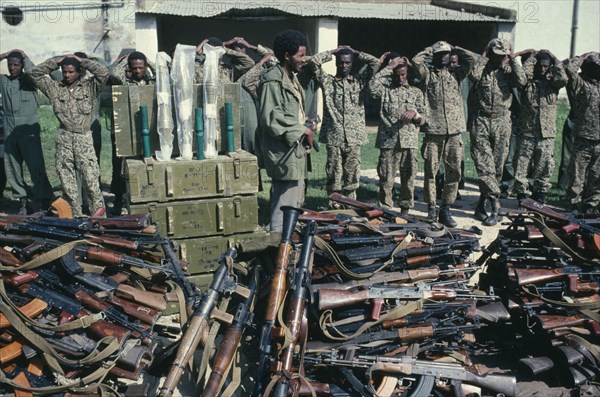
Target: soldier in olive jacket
column 283, row 137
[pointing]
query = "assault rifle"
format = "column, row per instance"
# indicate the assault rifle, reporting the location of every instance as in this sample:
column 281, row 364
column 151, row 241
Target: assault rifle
column 572, row 223
column 331, row 299
column 198, row 323
column 572, row 273
column 428, row 370
column 404, row 335
column 439, row 247
column 412, row 275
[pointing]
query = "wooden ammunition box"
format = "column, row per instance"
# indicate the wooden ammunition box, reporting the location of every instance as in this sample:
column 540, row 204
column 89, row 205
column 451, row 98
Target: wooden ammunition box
column 127, row 125
column 222, row 176
column 203, row 253
column 221, row 216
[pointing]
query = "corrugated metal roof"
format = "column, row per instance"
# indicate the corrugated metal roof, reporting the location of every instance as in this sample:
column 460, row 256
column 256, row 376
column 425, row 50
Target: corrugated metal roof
column 398, row 10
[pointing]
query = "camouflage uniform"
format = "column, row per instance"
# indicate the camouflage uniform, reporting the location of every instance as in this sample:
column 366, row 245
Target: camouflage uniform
column 231, row 67
column 584, row 167
column 118, row 77
column 491, row 124
column 343, row 129
column 397, row 140
column 443, row 139
column 537, row 127
column 22, row 136
column 74, row 108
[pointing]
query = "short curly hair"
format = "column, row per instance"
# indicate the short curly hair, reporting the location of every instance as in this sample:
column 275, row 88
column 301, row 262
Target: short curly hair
column 288, row 42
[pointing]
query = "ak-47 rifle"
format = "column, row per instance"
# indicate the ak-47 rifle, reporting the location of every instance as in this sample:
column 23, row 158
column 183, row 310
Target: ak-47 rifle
column 413, row 275
column 331, row 299
column 386, row 212
column 197, row 324
column 299, row 293
column 276, row 295
column 572, row 273
column 572, row 223
column 231, row 339
column 429, row 370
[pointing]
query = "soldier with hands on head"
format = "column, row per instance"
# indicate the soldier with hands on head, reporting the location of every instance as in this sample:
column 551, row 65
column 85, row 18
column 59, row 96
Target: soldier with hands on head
column 402, row 112
column 130, row 69
column 584, row 168
column 494, row 76
column 343, row 129
column 73, row 100
column 283, row 138
column 443, row 140
column 22, row 141
column 537, row 123
column 232, row 64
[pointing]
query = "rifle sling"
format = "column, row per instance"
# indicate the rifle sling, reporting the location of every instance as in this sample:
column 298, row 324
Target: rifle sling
column 538, row 221
column 334, row 257
column 48, row 257
column 326, row 320
column 585, row 308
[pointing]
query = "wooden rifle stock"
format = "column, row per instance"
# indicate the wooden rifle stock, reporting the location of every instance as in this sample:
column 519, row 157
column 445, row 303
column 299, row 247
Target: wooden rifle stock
column 8, row 259
column 31, row 309
column 143, row 313
column 151, row 299
column 551, row 322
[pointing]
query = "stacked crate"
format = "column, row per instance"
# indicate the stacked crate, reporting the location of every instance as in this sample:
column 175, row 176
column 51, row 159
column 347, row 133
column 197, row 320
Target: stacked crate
column 206, row 205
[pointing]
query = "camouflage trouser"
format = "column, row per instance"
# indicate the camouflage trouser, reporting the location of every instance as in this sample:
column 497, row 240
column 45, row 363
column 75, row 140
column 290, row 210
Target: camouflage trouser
column 75, row 153
column 584, row 170
column 435, row 149
column 343, row 170
column 390, row 160
column 489, row 147
column 538, row 154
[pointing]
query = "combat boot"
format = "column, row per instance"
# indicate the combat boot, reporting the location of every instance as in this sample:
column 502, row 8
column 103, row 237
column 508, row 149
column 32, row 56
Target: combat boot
column 540, row 197
column 432, row 212
column 445, row 216
column 493, row 218
column 403, row 211
column 24, row 206
column 480, row 212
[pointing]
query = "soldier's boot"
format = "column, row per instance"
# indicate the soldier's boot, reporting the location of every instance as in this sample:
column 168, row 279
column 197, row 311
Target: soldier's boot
column 117, row 206
column 493, row 218
column 403, row 211
column 480, row 212
column 540, row 197
column 520, row 198
column 445, row 216
column 24, row 206
column 432, row 212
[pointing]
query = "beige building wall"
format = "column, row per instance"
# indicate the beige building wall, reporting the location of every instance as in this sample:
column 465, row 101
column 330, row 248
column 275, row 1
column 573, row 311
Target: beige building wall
column 51, row 28
column 546, row 24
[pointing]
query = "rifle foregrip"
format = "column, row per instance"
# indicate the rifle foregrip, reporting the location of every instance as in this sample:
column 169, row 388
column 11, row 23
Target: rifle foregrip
column 333, row 298
column 152, row 299
column 411, row 334
column 143, row 313
column 8, row 259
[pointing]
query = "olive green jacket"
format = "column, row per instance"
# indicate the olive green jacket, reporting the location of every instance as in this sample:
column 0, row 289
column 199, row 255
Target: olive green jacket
column 281, row 125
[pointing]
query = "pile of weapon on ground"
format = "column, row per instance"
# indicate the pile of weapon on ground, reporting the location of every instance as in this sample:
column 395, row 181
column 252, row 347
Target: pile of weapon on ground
column 359, row 302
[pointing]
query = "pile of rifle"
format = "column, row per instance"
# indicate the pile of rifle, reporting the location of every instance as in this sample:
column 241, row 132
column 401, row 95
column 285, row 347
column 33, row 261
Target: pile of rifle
column 381, row 306
column 83, row 302
column 546, row 267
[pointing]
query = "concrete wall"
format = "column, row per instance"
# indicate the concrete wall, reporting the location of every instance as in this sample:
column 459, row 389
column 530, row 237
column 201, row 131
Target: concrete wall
column 547, row 24
column 51, row 28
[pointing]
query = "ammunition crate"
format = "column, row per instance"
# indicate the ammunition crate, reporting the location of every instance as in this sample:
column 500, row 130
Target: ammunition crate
column 127, row 124
column 222, row 176
column 203, row 254
column 221, row 216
